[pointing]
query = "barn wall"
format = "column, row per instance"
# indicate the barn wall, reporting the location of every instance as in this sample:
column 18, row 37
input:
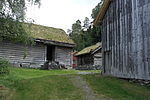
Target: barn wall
column 98, row 58
column 126, row 39
column 15, row 54
column 63, row 55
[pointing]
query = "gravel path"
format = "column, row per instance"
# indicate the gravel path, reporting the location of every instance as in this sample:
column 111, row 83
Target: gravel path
column 79, row 82
column 84, row 73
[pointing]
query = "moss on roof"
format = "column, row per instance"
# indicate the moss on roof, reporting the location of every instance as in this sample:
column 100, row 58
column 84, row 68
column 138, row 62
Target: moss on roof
column 89, row 49
column 47, row 33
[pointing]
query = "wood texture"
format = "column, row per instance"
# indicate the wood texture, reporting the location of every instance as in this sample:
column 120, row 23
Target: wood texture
column 35, row 55
column 93, row 59
column 63, row 55
column 97, row 58
column 126, row 39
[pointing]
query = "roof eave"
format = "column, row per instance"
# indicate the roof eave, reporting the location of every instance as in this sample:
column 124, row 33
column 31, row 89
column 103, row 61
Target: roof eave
column 102, row 12
column 57, row 43
column 82, row 54
column 96, row 50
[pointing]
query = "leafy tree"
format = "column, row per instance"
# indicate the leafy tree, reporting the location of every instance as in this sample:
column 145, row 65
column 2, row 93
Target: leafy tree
column 95, row 10
column 15, row 8
column 87, row 34
column 86, row 23
column 76, row 28
column 12, row 12
column 13, row 31
column 96, row 34
column 77, row 35
column 96, row 30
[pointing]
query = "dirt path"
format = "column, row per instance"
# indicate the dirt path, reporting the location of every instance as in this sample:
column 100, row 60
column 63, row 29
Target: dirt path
column 79, row 82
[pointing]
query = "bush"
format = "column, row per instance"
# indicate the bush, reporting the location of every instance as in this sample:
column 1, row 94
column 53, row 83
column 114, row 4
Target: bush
column 4, row 66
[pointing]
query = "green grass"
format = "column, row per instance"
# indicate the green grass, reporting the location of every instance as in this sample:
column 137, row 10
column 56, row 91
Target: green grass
column 47, row 88
column 34, row 84
column 117, row 89
column 17, row 74
column 24, row 73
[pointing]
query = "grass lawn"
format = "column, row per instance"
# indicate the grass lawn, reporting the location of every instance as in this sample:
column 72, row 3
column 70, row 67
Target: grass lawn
column 117, row 89
column 34, row 84
column 47, row 88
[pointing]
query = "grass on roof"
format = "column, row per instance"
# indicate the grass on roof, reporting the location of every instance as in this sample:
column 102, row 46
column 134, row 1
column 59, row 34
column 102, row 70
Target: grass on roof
column 88, row 49
column 47, row 33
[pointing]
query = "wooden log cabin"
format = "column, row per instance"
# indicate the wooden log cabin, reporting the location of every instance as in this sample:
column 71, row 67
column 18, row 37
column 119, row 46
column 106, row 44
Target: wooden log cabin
column 90, row 56
column 125, row 38
column 52, row 44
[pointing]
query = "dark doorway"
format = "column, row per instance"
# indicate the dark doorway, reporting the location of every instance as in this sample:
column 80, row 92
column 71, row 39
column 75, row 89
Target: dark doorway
column 50, row 53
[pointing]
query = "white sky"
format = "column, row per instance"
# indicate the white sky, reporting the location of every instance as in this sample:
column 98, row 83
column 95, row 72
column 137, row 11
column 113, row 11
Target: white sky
column 61, row 13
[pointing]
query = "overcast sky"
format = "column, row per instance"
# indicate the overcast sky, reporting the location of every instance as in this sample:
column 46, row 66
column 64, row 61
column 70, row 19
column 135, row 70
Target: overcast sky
column 61, row 13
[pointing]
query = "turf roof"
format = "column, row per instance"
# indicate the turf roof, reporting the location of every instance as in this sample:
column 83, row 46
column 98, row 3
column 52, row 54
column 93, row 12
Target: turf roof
column 47, row 33
column 89, row 49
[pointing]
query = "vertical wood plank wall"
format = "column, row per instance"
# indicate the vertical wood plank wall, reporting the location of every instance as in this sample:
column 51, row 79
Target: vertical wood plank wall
column 63, row 55
column 126, row 39
column 36, row 55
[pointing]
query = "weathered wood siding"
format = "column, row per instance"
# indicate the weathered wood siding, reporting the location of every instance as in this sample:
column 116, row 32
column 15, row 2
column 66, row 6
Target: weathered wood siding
column 126, row 39
column 85, row 60
column 36, row 55
column 97, row 58
column 90, row 59
column 63, row 55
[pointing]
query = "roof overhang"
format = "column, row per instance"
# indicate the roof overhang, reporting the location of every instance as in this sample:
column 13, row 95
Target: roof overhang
column 63, row 44
column 91, row 52
column 77, row 55
column 96, row 50
column 102, row 12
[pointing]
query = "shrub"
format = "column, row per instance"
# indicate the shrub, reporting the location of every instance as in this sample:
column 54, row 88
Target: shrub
column 4, row 66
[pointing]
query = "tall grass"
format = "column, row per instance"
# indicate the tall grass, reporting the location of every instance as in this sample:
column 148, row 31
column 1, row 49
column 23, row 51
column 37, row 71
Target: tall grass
column 4, row 66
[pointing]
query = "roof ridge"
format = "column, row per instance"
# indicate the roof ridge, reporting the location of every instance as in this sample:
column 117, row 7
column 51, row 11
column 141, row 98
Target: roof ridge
column 88, row 49
column 45, row 26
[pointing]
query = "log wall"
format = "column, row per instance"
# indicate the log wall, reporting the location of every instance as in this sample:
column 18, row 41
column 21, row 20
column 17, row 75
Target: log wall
column 126, row 39
column 15, row 53
column 63, row 55
column 98, row 58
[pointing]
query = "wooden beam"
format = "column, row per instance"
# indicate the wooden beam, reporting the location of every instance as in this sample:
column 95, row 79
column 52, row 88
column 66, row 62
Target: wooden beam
column 102, row 12
column 55, row 43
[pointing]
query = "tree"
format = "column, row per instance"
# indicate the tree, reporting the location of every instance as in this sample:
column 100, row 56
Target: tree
column 77, row 35
column 87, row 34
column 15, row 9
column 96, row 34
column 96, row 30
column 86, row 23
column 69, row 31
column 76, row 27
column 12, row 13
column 95, row 10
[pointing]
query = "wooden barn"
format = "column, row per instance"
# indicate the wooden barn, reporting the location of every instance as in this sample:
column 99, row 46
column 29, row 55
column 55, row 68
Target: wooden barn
column 90, row 56
column 125, row 38
column 52, row 44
